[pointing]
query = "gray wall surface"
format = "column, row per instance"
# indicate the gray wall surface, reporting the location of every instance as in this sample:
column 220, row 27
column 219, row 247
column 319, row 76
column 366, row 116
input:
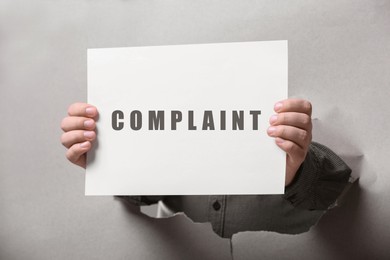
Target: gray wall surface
column 339, row 58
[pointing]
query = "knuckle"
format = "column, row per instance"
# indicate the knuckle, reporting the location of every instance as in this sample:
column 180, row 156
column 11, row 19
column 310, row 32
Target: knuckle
column 289, row 147
column 303, row 136
column 72, row 154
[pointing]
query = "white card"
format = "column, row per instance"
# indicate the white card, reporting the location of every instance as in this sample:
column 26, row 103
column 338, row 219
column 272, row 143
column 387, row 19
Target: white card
column 161, row 130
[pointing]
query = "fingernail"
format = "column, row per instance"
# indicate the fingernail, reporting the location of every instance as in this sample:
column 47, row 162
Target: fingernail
column 271, row 130
column 279, row 140
column 89, row 134
column 278, row 106
column 88, row 123
column 273, row 119
column 90, row 111
column 84, row 145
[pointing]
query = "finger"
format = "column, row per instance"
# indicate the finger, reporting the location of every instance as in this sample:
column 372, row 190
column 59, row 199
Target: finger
column 70, row 123
column 76, row 136
column 294, row 105
column 82, row 110
column 76, row 153
column 299, row 120
column 295, row 153
column 296, row 135
column 295, row 157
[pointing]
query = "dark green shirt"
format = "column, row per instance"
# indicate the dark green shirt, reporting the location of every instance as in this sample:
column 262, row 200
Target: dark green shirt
column 319, row 181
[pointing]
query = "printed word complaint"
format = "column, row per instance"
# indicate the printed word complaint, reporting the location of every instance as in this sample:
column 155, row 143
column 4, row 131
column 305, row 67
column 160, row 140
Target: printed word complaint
column 156, row 119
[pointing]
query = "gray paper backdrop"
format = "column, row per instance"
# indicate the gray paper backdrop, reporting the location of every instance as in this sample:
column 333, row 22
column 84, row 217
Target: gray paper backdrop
column 339, row 58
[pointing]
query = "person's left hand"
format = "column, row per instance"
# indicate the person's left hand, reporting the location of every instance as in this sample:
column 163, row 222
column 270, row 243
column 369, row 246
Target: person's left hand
column 291, row 127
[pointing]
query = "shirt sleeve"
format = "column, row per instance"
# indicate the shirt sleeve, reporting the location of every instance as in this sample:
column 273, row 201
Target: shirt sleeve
column 319, row 181
column 141, row 200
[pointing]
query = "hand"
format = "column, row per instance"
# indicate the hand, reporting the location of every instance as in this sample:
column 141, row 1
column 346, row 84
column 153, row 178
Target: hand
column 79, row 132
column 292, row 127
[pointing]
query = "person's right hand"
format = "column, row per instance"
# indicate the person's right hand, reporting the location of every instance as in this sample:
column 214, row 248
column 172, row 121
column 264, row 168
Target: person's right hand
column 79, row 132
